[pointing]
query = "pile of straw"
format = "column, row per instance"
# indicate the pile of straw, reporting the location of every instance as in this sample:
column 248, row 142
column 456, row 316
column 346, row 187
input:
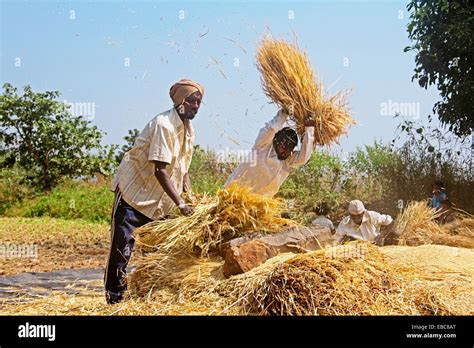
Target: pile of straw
column 393, row 280
column 177, row 272
column 322, row 283
column 313, row 284
column 170, row 248
column 417, row 226
column 289, row 81
column 353, row 279
column 233, row 212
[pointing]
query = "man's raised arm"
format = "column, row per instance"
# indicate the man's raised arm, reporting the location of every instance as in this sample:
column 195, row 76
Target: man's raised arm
column 266, row 134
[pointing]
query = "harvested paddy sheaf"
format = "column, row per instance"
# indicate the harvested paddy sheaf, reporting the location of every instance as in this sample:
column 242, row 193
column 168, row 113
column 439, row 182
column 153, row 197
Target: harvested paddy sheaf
column 290, row 82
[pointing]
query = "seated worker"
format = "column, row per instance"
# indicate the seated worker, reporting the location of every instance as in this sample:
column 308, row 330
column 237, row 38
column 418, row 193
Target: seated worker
column 362, row 224
column 274, row 156
column 322, row 210
column 439, row 194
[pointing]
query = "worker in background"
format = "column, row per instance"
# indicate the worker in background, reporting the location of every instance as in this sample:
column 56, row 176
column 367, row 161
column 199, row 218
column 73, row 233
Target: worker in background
column 439, row 194
column 366, row 225
column 322, row 211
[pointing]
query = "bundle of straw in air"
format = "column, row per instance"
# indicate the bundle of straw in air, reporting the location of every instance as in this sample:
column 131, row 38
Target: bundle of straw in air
column 233, row 212
column 417, row 225
column 289, row 81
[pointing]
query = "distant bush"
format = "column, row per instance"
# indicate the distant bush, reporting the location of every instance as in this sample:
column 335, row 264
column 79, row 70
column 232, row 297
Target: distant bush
column 69, row 200
column 14, row 187
column 428, row 154
column 327, row 178
column 41, row 135
column 206, row 172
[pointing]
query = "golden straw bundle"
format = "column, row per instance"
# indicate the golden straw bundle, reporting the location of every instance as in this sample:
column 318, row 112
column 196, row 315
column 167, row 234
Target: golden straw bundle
column 289, row 81
column 312, row 284
column 417, row 225
column 233, row 212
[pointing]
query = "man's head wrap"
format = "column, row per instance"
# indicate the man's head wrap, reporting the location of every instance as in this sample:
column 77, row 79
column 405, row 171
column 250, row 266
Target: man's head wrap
column 183, row 89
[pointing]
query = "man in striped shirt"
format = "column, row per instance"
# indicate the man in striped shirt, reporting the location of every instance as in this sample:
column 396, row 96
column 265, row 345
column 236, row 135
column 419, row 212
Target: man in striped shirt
column 151, row 178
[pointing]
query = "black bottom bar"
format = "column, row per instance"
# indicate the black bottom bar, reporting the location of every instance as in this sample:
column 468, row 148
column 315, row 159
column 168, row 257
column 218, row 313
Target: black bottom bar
column 239, row 331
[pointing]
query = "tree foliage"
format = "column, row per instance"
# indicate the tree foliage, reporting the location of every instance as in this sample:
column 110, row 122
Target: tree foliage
column 38, row 133
column 443, row 34
column 130, row 140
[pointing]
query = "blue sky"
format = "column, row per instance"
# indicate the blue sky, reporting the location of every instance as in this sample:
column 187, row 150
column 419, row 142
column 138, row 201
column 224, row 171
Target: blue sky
column 82, row 48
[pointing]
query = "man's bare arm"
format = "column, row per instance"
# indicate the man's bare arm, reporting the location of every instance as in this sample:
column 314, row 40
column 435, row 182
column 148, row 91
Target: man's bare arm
column 165, row 182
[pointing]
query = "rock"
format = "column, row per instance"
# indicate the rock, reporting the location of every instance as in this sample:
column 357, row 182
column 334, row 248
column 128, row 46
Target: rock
column 222, row 248
column 244, row 253
column 246, row 256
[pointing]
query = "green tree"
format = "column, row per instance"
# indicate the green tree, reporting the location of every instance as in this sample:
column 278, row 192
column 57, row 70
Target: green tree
column 130, row 139
column 41, row 135
column 443, row 35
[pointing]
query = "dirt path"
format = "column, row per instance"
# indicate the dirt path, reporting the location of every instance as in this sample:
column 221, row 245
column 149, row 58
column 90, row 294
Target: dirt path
column 58, row 244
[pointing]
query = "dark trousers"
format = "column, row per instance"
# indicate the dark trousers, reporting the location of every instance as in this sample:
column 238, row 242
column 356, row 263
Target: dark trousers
column 125, row 219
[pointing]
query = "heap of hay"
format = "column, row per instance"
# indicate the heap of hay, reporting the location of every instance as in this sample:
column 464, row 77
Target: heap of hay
column 417, row 226
column 355, row 279
column 463, row 227
column 233, row 212
column 172, row 246
column 289, row 81
column 369, row 284
column 177, row 272
column 422, row 280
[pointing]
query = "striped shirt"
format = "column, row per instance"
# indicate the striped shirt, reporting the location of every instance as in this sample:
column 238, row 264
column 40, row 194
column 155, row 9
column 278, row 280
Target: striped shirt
column 167, row 139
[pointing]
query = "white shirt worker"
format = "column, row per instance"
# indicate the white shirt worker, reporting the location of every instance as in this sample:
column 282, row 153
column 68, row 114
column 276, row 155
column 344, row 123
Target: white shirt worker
column 368, row 230
column 266, row 173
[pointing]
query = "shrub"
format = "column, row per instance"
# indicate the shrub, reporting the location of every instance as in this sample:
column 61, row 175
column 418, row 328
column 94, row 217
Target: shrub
column 69, row 200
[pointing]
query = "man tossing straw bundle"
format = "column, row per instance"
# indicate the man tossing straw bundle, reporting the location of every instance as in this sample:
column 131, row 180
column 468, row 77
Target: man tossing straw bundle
column 274, row 156
column 287, row 78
